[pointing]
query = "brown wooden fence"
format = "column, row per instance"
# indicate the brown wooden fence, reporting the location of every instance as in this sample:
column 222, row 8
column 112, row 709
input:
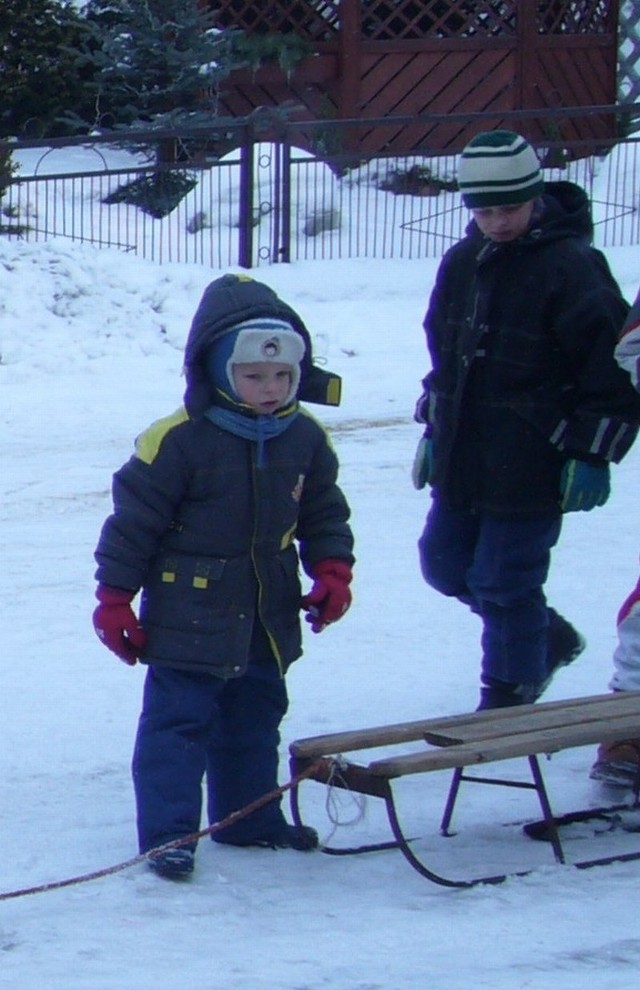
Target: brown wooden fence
column 375, row 58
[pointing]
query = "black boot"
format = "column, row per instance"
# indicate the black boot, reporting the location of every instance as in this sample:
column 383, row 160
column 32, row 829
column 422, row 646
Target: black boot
column 564, row 645
column 499, row 694
column 303, row 838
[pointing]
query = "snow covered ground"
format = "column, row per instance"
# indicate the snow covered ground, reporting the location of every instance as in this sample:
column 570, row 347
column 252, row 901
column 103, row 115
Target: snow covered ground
column 90, row 346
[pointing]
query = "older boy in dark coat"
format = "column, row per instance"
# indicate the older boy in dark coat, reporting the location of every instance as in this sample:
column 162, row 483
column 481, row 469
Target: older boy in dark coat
column 211, row 516
column 525, row 407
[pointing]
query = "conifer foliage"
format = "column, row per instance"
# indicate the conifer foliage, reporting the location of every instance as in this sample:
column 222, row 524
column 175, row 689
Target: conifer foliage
column 41, row 77
column 157, row 61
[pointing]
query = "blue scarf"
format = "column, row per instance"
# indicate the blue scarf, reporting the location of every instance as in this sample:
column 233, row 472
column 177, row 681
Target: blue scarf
column 256, row 428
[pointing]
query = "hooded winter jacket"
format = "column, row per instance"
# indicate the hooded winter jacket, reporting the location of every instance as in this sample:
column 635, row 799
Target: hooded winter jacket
column 521, row 337
column 209, row 535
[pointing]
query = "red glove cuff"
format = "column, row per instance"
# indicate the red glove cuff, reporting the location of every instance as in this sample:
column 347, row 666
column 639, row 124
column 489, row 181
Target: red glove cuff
column 333, row 568
column 114, row 596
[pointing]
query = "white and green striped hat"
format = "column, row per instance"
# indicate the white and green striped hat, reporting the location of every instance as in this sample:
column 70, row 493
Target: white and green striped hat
column 498, row 168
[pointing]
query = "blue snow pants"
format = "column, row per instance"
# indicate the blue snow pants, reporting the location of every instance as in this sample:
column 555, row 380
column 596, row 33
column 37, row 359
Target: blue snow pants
column 498, row 567
column 194, row 724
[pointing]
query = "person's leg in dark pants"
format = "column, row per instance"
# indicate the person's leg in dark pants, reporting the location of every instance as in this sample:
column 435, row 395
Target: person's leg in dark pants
column 178, row 714
column 498, row 567
column 446, row 550
column 506, row 578
column 242, row 754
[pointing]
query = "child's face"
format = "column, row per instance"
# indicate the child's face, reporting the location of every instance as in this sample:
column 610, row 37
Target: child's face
column 263, row 385
column 504, row 223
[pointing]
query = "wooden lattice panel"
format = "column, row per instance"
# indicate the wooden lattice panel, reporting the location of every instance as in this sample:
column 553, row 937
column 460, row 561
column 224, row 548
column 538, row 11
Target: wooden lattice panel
column 586, row 17
column 379, row 58
column 313, row 20
column 407, row 19
column 629, row 51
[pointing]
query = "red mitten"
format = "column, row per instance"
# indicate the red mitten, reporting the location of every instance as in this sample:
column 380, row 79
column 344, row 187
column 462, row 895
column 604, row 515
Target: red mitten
column 116, row 625
column 330, row 596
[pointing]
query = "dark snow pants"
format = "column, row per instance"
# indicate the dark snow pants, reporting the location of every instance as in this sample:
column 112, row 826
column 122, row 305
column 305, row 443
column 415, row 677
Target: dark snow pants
column 192, row 724
column 498, row 568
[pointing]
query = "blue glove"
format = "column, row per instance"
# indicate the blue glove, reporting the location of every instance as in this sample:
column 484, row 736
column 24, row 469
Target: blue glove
column 422, row 469
column 421, row 411
column 583, row 486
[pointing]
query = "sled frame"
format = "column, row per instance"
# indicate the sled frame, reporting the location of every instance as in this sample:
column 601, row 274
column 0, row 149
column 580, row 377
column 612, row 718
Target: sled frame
column 463, row 741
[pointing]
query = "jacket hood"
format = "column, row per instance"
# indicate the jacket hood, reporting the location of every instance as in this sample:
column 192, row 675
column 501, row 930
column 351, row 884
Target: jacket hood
column 566, row 212
column 233, row 299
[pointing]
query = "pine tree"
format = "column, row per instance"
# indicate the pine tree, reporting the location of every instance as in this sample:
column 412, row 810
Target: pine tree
column 158, row 61
column 40, row 76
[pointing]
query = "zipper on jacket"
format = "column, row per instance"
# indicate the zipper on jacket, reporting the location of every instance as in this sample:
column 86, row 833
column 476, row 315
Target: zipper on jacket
column 272, row 642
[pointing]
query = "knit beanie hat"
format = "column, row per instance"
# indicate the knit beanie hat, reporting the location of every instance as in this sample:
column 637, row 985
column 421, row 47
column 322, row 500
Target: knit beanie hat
column 498, row 168
column 261, row 339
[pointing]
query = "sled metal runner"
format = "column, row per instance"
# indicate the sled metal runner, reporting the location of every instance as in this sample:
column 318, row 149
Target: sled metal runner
column 462, row 741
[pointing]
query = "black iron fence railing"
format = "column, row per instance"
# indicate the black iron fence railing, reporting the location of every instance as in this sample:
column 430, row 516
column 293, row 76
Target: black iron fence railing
column 243, row 192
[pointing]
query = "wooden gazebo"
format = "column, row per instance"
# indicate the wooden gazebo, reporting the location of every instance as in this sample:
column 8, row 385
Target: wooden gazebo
column 381, row 58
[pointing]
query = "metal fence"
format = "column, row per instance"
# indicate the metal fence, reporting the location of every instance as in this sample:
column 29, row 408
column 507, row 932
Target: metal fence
column 267, row 201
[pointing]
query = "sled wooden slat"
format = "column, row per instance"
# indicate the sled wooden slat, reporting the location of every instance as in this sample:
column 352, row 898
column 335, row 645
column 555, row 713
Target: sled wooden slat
column 474, row 725
column 458, row 742
column 493, row 748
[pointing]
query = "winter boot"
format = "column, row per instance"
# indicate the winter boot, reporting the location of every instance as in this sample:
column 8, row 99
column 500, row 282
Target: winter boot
column 175, row 864
column 499, row 694
column 618, row 764
column 302, row 838
column 564, row 645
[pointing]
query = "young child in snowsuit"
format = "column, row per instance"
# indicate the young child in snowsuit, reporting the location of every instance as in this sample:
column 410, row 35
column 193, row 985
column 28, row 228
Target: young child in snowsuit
column 618, row 763
column 207, row 515
column 524, row 408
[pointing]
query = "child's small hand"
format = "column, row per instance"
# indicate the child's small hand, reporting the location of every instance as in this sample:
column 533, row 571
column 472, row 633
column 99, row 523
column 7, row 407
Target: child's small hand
column 330, row 596
column 116, row 624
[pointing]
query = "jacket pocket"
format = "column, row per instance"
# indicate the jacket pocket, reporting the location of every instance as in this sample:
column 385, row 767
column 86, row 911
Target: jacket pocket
column 199, row 612
column 197, row 593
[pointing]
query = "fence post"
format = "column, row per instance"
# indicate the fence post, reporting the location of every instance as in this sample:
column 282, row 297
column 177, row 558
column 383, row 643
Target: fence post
column 281, row 194
column 350, row 56
column 245, row 223
column 277, row 202
column 285, row 249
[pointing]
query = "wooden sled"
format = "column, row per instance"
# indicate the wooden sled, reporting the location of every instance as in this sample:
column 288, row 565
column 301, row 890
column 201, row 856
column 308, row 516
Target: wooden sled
column 461, row 741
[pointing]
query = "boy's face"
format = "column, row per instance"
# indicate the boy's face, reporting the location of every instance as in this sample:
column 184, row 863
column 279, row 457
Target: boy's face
column 504, row 223
column 263, row 385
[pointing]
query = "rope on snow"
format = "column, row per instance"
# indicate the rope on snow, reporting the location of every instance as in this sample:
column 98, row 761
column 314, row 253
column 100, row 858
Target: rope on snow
column 210, row 830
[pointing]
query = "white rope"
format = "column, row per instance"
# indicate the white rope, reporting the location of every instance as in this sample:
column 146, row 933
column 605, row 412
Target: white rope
column 332, row 803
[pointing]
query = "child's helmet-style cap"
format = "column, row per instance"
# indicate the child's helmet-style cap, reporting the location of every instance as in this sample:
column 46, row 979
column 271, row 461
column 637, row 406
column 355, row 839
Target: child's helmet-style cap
column 263, row 339
column 232, row 300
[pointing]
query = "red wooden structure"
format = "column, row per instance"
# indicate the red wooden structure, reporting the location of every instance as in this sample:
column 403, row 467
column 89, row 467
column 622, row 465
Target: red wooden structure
column 381, row 58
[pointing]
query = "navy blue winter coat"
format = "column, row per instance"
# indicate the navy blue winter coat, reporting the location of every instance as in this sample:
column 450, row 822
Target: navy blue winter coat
column 521, row 337
column 210, row 537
